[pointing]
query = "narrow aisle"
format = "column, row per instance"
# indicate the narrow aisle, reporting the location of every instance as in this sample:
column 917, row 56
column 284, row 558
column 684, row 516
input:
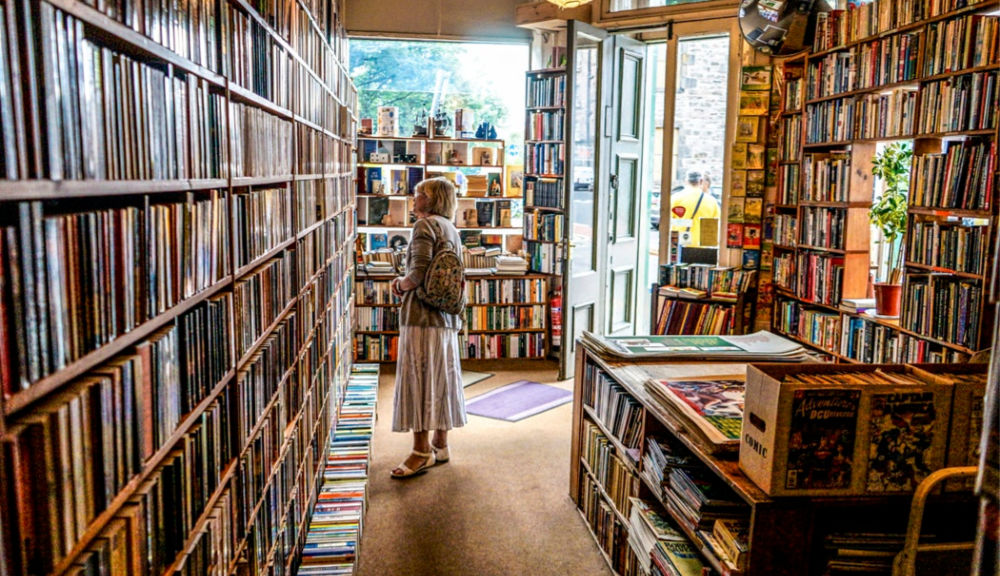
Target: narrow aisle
column 501, row 506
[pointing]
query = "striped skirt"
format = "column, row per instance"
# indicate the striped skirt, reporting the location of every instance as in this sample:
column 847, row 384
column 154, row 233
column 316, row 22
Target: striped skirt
column 429, row 394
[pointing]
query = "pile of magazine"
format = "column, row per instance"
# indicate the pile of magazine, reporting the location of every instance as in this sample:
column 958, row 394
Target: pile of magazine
column 760, row 346
column 646, row 528
column 711, row 411
column 698, row 499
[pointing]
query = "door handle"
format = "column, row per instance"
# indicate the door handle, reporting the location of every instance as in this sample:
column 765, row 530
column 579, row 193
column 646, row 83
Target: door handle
column 614, row 182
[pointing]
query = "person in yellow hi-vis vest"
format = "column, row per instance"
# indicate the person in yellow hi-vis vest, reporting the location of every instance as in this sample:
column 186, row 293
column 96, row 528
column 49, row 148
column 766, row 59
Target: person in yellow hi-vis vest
column 689, row 206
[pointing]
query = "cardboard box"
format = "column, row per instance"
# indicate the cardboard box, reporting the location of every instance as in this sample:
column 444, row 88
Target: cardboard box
column 841, row 438
column 966, row 427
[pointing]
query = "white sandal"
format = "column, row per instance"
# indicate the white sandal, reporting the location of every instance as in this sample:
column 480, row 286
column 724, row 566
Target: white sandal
column 441, row 455
column 429, row 460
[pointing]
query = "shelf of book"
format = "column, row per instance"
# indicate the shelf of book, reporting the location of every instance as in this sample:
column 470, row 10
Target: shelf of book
column 499, row 306
column 784, row 535
column 934, row 73
column 174, row 234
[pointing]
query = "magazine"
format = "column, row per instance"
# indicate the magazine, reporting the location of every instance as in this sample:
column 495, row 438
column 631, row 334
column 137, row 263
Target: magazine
column 762, row 346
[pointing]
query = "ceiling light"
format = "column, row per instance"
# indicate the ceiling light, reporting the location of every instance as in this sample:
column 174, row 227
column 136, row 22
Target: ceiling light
column 569, row 3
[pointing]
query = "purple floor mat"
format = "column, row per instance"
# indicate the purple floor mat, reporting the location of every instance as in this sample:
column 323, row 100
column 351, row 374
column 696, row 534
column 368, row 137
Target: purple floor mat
column 517, row 401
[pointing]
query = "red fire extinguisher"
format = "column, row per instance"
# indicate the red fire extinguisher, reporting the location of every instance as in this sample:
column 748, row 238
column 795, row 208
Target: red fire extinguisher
column 555, row 307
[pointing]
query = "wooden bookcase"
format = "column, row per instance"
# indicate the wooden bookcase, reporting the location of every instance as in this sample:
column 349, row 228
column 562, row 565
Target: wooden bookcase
column 506, row 317
column 881, row 74
column 386, row 184
column 544, row 169
column 786, row 534
column 176, row 293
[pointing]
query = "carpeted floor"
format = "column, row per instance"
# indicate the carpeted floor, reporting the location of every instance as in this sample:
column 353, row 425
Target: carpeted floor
column 501, row 506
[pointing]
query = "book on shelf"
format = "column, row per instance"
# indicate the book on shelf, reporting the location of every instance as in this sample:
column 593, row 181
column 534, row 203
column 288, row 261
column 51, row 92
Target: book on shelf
column 677, row 559
column 646, row 528
column 762, row 346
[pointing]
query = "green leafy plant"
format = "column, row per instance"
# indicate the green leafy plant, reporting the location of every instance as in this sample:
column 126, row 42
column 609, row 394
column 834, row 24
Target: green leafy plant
column 888, row 213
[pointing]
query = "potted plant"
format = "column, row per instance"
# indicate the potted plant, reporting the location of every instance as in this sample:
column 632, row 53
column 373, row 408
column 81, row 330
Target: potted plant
column 888, row 213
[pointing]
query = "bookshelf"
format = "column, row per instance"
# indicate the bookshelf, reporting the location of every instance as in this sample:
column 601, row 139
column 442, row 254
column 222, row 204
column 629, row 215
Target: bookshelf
column 626, row 443
column 390, row 168
column 544, row 169
column 889, row 71
column 506, row 317
column 703, row 299
column 176, row 292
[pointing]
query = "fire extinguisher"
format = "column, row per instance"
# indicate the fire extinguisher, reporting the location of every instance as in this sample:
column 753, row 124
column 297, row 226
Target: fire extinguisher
column 555, row 308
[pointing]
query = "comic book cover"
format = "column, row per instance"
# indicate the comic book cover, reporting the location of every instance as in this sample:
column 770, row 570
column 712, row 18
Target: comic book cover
column 821, row 437
column 901, row 446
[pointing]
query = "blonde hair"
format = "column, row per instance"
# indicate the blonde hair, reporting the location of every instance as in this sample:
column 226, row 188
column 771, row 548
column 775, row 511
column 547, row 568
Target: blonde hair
column 441, row 196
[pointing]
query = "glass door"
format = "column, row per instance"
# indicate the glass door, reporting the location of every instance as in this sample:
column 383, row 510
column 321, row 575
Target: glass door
column 582, row 271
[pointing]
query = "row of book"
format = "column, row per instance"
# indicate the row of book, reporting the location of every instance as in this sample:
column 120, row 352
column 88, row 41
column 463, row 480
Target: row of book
column 791, row 144
column 545, row 158
column 821, row 328
column 543, row 226
column 823, row 227
column 944, row 307
column 546, row 91
column 310, row 157
column 864, row 20
column 376, row 347
column 610, row 531
column 819, row 277
column 262, row 143
column 682, row 317
column 543, row 257
column 310, row 99
column 877, row 63
column 971, row 41
column 95, row 126
column 505, row 317
column 337, row 521
column 376, row 319
column 615, row 408
column 261, row 297
column 605, row 466
column 494, row 346
column 870, row 343
column 786, row 229
column 957, row 178
column 131, row 263
column 265, row 220
column 257, row 61
column 713, row 281
column 959, row 103
column 886, row 115
column 543, row 193
column 382, row 180
column 317, row 200
column 789, row 184
column 826, row 177
column 546, row 125
column 947, row 245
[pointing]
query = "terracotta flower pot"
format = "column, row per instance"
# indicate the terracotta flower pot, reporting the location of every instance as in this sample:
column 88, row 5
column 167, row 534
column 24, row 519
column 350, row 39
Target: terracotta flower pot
column 887, row 299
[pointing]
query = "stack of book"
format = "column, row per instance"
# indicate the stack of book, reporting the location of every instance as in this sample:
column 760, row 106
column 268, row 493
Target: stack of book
column 646, row 528
column 857, row 305
column 862, row 553
column 729, row 541
column 512, row 265
column 710, row 410
column 697, row 499
column 335, row 529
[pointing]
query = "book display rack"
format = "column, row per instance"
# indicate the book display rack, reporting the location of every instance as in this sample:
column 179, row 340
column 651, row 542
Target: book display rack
column 176, row 281
column 703, row 299
column 390, row 168
column 506, row 317
column 629, row 446
column 924, row 72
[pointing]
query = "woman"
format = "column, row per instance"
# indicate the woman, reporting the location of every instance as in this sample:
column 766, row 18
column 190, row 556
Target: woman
column 429, row 393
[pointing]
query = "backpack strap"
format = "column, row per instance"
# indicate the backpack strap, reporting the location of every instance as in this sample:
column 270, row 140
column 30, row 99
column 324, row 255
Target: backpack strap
column 695, row 213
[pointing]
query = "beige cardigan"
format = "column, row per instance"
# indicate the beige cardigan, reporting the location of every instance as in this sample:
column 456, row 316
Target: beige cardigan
column 419, row 254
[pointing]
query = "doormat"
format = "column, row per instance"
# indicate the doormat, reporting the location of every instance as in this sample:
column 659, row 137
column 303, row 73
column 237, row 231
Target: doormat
column 469, row 377
column 517, row 401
